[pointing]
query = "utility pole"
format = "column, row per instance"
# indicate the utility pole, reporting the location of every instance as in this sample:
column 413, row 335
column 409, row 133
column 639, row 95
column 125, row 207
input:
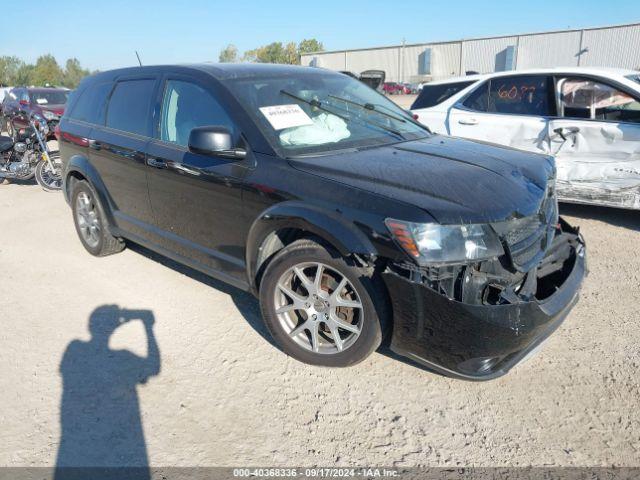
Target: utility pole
column 401, row 63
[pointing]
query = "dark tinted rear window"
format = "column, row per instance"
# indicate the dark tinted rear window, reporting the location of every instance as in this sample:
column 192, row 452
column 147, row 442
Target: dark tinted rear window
column 92, row 104
column 433, row 95
column 129, row 106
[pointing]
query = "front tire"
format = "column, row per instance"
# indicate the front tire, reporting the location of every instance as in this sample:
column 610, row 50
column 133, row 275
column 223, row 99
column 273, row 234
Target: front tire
column 91, row 223
column 321, row 309
column 50, row 180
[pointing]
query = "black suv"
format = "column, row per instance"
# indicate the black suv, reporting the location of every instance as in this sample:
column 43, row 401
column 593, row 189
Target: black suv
column 348, row 219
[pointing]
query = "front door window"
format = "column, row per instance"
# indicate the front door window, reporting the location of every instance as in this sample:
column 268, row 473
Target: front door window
column 590, row 99
column 187, row 106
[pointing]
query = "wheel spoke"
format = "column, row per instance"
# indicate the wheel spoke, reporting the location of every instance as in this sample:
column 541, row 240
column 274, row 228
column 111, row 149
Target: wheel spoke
column 289, row 293
column 318, row 279
column 343, row 302
column 308, row 284
column 287, row 308
column 336, row 335
column 296, row 331
column 313, row 329
column 344, row 325
column 336, row 293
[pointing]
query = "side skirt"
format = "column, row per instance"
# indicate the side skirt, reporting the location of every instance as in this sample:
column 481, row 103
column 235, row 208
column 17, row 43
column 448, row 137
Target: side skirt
column 217, row 274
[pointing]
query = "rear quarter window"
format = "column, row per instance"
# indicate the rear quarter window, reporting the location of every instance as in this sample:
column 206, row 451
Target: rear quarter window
column 91, row 106
column 433, row 95
column 129, row 106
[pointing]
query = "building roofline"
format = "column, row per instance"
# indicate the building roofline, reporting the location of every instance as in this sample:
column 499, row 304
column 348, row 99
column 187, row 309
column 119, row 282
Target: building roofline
column 472, row 39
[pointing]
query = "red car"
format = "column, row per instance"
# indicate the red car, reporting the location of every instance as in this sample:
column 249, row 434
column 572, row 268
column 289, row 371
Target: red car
column 392, row 88
column 20, row 102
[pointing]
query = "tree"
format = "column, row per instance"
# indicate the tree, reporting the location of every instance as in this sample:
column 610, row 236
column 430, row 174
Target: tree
column 9, row 67
column 229, row 54
column 47, row 71
column 310, row 46
column 73, row 73
column 24, row 75
column 276, row 52
column 290, row 54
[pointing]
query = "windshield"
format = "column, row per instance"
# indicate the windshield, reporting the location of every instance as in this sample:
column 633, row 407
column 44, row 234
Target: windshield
column 315, row 112
column 49, row 97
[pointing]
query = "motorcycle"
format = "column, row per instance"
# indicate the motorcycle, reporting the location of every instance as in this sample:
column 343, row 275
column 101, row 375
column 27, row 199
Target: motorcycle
column 29, row 156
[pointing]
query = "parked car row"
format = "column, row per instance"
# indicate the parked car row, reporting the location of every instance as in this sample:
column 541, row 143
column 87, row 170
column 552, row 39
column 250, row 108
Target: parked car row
column 395, row 88
column 349, row 220
column 20, row 103
column 587, row 118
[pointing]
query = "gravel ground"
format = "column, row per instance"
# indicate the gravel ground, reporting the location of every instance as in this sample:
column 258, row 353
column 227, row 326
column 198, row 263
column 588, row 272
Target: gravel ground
column 224, row 395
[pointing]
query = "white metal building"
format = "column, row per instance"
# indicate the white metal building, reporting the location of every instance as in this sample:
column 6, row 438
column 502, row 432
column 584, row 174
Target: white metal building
column 613, row 46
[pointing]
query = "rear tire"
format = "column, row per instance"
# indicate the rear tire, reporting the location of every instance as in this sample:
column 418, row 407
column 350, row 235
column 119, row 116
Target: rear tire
column 306, row 320
column 90, row 222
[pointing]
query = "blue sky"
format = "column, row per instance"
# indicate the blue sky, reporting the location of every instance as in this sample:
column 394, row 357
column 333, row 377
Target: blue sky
column 104, row 34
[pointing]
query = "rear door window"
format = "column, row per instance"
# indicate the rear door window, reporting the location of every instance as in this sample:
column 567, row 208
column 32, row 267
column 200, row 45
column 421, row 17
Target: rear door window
column 514, row 95
column 522, row 95
column 129, row 106
column 585, row 98
column 91, row 107
column 433, row 95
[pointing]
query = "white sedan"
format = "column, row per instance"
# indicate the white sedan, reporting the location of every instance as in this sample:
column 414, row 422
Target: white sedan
column 588, row 118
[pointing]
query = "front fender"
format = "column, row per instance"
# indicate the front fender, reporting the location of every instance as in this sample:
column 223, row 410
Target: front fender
column 329, row 225
column 80, row 165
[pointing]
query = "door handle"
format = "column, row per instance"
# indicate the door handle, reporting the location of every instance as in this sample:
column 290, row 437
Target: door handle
column 468, row 121
column 181, row 167
column 155, row 163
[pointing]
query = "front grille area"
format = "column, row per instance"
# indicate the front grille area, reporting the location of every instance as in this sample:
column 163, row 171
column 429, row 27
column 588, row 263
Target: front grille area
column 523, row 229
column 527, row 239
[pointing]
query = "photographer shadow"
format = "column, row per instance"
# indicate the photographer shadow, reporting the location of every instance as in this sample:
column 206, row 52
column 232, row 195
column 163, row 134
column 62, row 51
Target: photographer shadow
column 101, row 426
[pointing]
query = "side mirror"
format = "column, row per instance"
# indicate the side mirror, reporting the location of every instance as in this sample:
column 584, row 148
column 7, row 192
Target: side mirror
column 215, row 141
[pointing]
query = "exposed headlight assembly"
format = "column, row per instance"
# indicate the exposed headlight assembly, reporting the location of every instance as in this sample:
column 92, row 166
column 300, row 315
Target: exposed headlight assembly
column 435, row 244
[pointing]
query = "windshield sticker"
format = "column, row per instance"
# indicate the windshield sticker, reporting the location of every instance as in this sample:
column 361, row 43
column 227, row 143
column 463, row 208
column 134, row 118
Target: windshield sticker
column 41, row 101
column 286, row 116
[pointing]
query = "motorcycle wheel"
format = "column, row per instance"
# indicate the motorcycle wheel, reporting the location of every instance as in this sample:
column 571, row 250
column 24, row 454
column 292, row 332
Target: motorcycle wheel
column 50, row 181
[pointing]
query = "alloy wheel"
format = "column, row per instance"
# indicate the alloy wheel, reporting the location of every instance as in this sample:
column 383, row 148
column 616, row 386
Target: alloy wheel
column 318, row 308
column 88, row 219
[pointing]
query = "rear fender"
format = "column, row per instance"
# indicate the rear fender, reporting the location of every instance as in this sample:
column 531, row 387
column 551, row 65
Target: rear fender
column 79, row 164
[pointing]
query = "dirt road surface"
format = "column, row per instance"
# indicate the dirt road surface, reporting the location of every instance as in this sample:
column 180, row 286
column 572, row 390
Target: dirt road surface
column 220, row 393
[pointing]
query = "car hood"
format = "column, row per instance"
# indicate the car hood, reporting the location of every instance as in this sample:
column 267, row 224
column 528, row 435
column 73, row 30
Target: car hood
column 454, row 180
column 57, row 109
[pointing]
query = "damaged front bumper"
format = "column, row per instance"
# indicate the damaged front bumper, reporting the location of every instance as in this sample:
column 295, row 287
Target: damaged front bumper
column 482, row 341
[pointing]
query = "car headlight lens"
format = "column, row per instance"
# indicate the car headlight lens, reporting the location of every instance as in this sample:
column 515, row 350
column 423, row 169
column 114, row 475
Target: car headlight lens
column 435, row 244
column 49, row 115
